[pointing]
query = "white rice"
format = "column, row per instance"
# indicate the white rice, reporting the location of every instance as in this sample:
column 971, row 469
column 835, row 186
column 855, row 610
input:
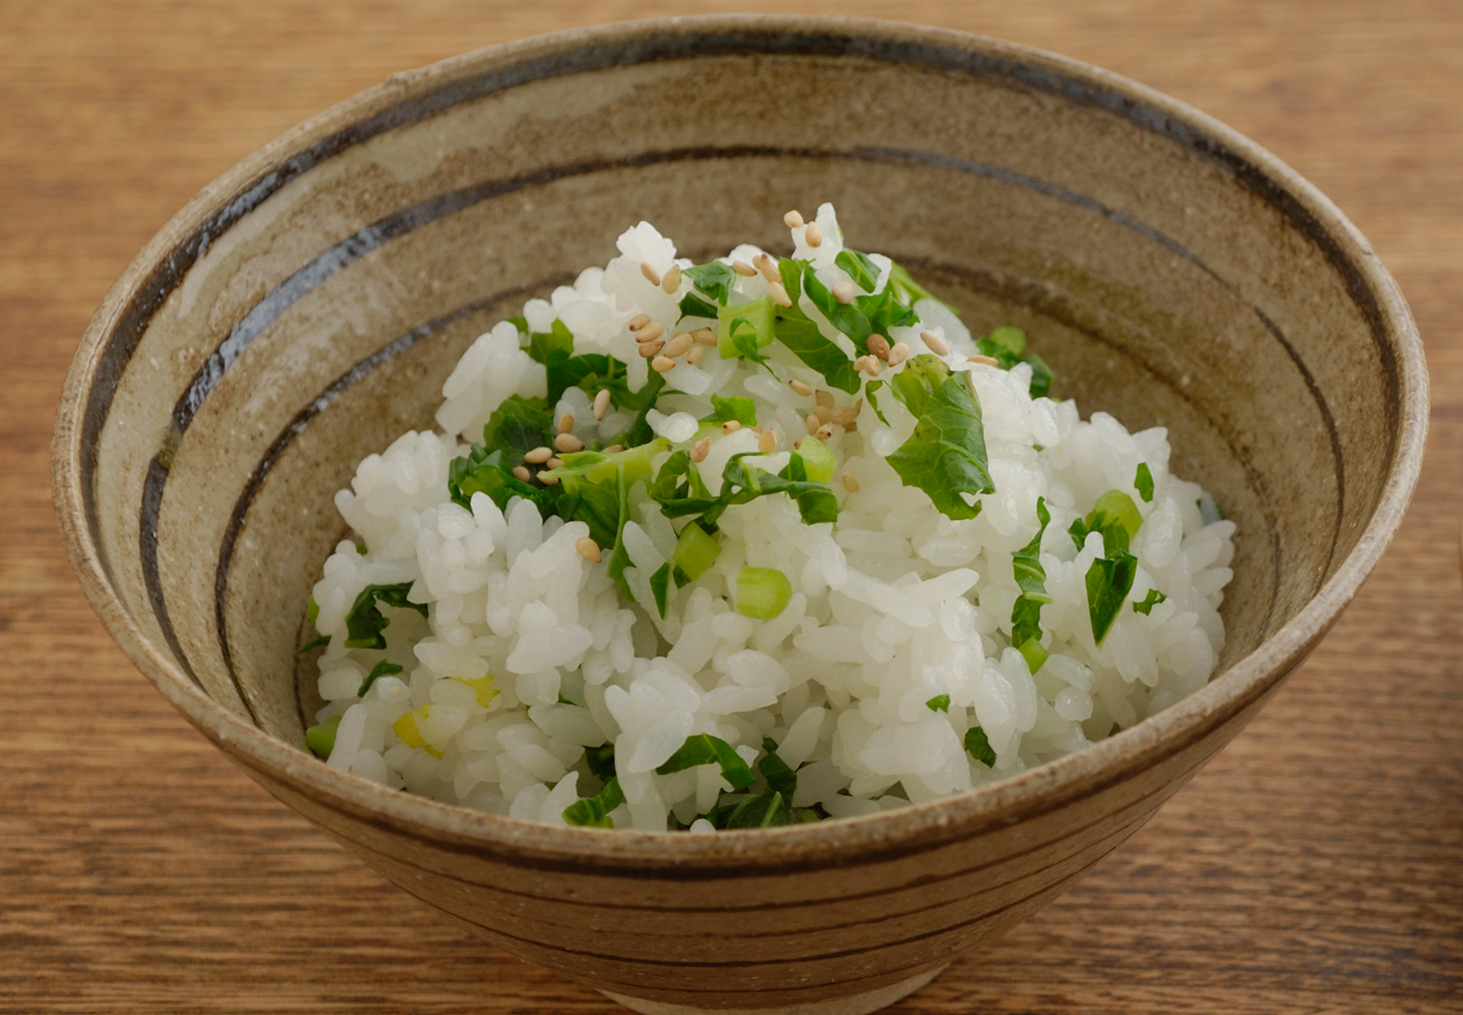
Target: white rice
column 892, row 606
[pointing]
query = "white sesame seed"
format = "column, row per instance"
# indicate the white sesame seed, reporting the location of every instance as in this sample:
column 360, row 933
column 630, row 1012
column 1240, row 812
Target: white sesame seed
column 651, row 275
column 555, row 463
column 639, row 321
column 567, row 442
column 701, row 449
column 849, row 483
column 649, row 349
column 767, row 443
column 823, row 398
column 792, row 219
column 813, row 236
column 614, row 449
column 779, row 294
column 767, row 265
column 602, row 403
column 679, row 345
column 813, row 422
column 937, row 345
column 879, row 346
column 521, row 474
column 743, row 268
column 538, row 456
column 650, row 332
column 695, row 353
column 705, row 336
column 989, row 361
column 587, row 548
column 800, row 387
column 898, row 354
column 825, row 432
column 672, row 280
column 730, row 426
column 662, row 363
column 566, row 422
column 548, row 480
column 844, row 292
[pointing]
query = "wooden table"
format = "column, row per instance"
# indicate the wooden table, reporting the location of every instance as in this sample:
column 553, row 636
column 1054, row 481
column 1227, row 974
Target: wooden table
column 1316, row 866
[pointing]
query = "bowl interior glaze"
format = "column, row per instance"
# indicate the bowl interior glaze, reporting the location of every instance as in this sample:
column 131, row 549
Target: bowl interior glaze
column 305, row 309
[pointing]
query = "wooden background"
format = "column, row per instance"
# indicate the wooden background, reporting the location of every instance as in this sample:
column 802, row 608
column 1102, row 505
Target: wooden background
column 1316, row 866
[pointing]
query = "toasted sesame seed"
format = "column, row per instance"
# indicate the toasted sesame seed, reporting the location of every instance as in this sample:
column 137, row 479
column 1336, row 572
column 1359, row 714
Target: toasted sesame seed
column 767, row 443
column 587, row 548
column 824, row 414
column 844, row 416
column 521, row 474
column 730, row 426
column 872, row 366
column 538, row 456
column 793, row 219
column 844, row 292
column 662, row 363
column 800, row 387
column 813, row 236
column 879, row 346
column 568, row 442
column 651, row 275
column 767, row 265
column 555, row 463
column 672, row 280
column 813, row 422
column 614, row 449
column 898, row 354
column 743, row 268
column 824, row 398
column 849, row 483
column 825, row 432
column 566, row 422
column 649, row 349
column 779, row 294
column 989, row 361
column 548, row 480
column 650, row 332
column 851, row 427
column 705, row 336
column 679, row 345
column 937, row 345
column 602, row 403
column 695, row 353
column 639, row 321
column 701, row 449
column 797, row 443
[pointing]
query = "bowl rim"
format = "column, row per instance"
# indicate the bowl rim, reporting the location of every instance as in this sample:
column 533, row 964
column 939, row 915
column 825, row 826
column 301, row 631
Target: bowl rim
column 287, row 768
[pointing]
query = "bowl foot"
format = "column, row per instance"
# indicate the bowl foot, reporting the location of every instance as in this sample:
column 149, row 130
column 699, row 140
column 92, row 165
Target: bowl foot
column 857, row 1004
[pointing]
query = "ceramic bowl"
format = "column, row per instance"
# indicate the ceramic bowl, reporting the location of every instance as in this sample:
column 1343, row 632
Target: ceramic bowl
column 305, row 308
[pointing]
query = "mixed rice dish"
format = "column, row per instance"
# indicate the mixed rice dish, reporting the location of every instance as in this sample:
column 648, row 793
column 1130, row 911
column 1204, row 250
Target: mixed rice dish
column 750, row 543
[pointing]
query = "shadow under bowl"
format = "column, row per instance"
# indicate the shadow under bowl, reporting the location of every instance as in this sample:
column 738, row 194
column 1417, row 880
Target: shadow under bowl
column 304, row 310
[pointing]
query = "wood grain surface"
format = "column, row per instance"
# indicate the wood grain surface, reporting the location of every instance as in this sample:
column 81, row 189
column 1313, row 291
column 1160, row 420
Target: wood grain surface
column 1316, row 866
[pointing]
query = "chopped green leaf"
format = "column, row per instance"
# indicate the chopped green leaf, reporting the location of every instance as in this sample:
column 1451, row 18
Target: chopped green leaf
column 642, row 402
column 518, row 426
column 979, row 746
column 1006, row 345
column 762, row 592
column 780, row 778
column 1115, row 516
column 908, row 290
column 600, row 760
column 313, row 643
column 705, row 749
column 543, row 344
column 1031, row 579
column 365, row 622
column 589, row 482
column 312, row 610
column 1152, row 599
column 1143, row 482
column 849, row 318
column 869, row 393
column 594, row 811
column 660, row 587
column 939, row 703
column 715, row 279
column 768, row 810
column 692, row 305
column 863, row 271
column 1209, row 510
column 696, row 551
column 521, row 323
column 321, row 738
column 1108, row 585
column 591, row 373
column 946, row 455
column 383, row 668
column 800, row 334
column 680, row 492
column 745, row 330
column 724, row 410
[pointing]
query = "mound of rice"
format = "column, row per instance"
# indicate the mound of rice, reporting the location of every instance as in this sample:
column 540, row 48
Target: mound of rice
column 837, row 646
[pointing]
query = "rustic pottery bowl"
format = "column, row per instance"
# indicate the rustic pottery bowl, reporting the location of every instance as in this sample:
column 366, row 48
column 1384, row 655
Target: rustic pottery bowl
column 305, row 308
